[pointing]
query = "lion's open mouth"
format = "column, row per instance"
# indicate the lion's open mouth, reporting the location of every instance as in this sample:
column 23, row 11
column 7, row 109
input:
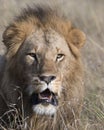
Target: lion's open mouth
column 45, row 98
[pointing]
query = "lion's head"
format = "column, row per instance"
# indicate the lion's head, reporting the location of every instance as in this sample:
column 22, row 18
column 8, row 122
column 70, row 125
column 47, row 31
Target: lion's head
column 43, row 60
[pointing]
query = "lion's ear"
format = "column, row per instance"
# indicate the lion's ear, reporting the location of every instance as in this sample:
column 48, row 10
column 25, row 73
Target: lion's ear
column 8, row 34
column 77, row 37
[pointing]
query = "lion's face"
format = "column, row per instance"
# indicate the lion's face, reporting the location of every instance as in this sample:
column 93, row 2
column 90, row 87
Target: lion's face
column 44, row 57
column 43, row 60
column 43, row 71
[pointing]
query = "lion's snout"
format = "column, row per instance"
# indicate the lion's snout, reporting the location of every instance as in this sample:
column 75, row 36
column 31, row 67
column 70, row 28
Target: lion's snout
column 47, row 79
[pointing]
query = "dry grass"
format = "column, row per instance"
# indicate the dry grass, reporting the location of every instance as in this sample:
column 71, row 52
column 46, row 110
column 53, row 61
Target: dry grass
column 88, row 16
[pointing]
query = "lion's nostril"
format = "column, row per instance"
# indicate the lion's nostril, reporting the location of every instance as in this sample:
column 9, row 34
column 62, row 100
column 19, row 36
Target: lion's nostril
column 47, row 79
column 52, row 77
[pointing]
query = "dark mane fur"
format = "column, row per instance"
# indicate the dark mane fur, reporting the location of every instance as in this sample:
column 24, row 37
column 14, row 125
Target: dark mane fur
column 40, row 12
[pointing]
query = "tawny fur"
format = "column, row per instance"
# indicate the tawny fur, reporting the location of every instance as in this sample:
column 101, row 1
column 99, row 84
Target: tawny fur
column 71, row 100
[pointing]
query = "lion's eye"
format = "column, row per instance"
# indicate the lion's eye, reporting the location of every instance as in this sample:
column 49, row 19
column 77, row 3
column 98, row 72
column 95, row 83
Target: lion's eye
column 60, row 57
column 33, row 55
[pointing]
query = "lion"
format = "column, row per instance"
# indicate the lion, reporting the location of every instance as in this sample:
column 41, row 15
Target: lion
column 43, row 73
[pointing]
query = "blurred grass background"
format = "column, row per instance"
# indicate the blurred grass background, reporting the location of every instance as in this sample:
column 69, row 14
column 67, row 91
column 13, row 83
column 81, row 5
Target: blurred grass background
column 88, row 15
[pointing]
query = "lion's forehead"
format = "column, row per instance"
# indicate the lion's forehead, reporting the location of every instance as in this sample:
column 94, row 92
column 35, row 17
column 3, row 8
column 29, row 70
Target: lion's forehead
column 48, row 39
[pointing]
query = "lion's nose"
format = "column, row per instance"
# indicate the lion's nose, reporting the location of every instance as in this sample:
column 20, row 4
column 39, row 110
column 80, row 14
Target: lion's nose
column 47, row 79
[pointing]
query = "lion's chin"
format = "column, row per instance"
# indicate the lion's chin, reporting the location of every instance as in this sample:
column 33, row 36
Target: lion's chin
column 44, row 110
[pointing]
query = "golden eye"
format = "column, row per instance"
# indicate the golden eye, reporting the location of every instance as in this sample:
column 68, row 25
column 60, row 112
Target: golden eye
column 33, row 55
column 60, row 57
